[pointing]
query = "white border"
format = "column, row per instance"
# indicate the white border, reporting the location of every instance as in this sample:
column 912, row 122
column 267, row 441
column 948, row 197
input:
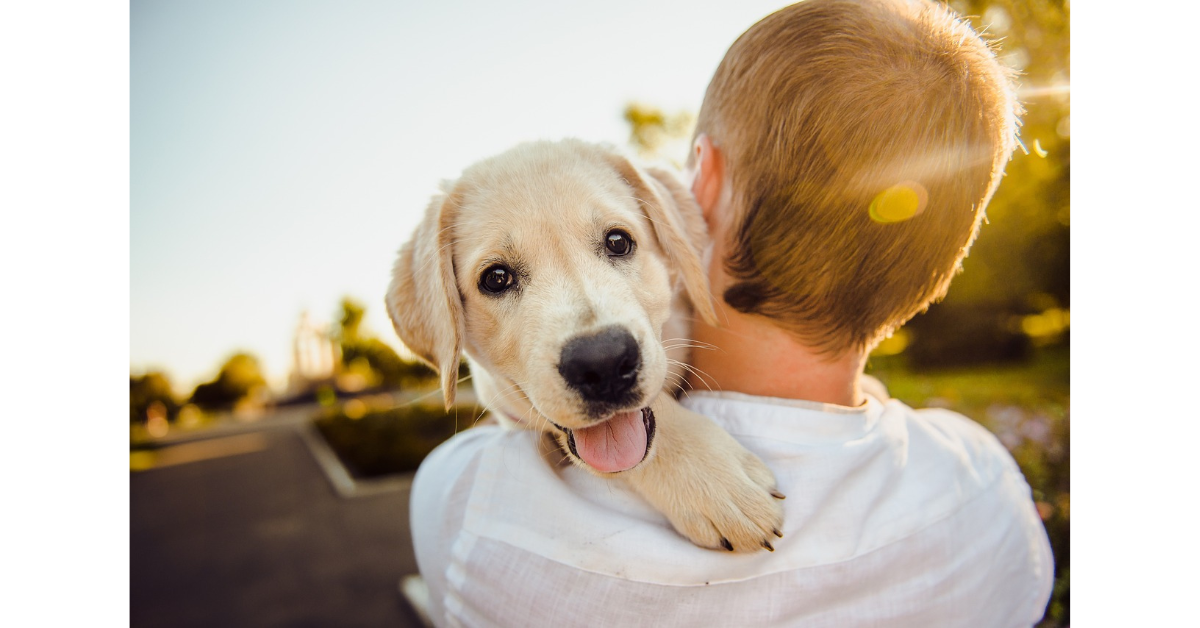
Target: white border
column 64, row 277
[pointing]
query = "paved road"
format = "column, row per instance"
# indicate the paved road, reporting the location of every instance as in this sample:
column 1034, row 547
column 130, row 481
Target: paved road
column 259, row 538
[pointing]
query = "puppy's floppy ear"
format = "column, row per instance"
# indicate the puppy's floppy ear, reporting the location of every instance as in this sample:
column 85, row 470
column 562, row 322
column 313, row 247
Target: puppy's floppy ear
column 678, row 225
column 423, row 299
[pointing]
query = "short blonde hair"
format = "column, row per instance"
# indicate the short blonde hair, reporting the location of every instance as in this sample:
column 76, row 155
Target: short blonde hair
column 863, row 140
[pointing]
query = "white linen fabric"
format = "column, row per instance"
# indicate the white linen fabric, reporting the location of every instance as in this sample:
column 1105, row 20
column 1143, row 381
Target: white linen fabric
column 893, row 517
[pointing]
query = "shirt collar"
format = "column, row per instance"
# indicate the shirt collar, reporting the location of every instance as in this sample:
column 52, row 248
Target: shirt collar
column 796, row 420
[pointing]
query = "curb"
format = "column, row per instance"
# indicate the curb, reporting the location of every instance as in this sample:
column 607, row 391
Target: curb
column 339, row 477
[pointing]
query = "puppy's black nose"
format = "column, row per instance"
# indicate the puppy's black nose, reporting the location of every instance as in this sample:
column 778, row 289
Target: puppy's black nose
column 603, row 366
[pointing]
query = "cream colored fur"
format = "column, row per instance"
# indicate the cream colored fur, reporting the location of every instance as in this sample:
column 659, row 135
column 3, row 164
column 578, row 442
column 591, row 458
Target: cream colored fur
column 543, row 209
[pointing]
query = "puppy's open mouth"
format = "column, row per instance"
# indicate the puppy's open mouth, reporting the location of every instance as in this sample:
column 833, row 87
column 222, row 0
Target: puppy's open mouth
column 616, row 444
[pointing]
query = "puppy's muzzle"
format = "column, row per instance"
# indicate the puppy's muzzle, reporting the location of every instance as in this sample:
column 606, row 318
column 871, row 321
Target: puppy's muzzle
column 603, row 367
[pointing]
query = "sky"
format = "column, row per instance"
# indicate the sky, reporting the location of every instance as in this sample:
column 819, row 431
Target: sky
column 281, row 152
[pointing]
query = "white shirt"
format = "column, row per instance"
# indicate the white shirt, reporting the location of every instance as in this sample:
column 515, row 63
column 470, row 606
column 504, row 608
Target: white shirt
column 893, row 517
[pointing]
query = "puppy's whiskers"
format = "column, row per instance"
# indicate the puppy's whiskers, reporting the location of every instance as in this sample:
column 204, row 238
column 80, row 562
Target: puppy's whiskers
column 700, row 375
column 688, row 345
column 495, row 400
column 416, row 400
column 511, row 392
column 690, row 342
column 675, row 380
column 531, row 417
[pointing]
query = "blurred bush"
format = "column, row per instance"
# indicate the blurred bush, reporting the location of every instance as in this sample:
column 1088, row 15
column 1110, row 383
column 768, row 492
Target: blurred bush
column 657, row 134
column 368, row 361
column 958, row 334
column 148, row 390
column 372, row 443
column 239, row 379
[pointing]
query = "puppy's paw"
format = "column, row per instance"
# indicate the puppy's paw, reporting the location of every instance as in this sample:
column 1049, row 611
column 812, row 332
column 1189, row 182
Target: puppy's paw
column 711, row 489
column 731, row 509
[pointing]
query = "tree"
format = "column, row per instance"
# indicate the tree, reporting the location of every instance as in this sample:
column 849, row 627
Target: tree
column 657, row 134
column 350, row 320
column 153, row 387
column 240, row 377
column 371, row 358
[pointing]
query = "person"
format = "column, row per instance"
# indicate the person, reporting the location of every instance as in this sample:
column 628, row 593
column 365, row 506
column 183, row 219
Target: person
column 844, row 155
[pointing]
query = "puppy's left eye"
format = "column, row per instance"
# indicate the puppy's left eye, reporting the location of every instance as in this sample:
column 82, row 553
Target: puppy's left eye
column 618, row 243
column 497, row 279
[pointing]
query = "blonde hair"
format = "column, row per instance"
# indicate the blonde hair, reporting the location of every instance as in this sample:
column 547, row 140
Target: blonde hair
column 862, row 141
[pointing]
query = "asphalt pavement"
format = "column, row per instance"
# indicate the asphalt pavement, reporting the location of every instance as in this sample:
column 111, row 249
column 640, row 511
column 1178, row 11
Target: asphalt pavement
column 246, row 530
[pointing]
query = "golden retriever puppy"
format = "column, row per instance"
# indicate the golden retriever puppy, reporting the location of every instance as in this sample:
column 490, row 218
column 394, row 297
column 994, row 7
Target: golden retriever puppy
column 554, row 267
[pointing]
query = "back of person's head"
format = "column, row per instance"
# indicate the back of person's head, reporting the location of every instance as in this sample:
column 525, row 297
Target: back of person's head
column 862, row 141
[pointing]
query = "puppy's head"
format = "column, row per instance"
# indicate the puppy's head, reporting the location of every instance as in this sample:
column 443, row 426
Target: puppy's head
column 552, row 266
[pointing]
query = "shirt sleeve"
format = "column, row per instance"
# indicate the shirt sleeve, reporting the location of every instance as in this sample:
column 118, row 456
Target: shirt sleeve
column 1012, row 491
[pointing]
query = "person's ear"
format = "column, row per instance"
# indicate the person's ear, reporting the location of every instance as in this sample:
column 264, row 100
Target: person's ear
column 708, row 179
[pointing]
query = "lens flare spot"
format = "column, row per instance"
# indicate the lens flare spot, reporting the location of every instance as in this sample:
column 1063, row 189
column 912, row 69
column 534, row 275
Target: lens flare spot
column 156, row 420
column 892, row 345
column 1050, row 323
column 354, row 409
column 899, row 202
column 1037, row 148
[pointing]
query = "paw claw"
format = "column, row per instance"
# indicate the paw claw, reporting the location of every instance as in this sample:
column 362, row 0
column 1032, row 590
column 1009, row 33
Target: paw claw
column 767, row 545
column 726, row 544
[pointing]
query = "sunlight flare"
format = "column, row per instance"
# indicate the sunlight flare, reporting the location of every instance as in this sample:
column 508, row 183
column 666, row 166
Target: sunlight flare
column 899, row 202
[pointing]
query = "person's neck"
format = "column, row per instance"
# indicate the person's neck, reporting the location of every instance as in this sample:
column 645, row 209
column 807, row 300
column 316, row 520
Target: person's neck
column 750, row 355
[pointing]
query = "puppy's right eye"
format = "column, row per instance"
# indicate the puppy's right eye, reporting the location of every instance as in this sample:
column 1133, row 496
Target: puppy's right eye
column 497, row 279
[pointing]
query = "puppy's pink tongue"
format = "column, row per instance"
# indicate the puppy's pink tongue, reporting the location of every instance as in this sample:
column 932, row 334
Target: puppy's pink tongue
column 614, row 445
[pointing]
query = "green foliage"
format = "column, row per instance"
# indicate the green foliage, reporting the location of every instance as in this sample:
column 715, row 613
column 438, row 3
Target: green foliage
column 350, row 320
column 371, row 358
column 392, row 441
column 657, row 134
column 388, row 369
column 238, row 378
column 153, row 387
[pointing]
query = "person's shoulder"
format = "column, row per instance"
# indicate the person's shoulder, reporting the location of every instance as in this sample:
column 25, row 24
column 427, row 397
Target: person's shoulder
column 953, row 427
column 446, row 480
column 452, row 459
column 962, row 457
column 998, row 514
column 960, row 436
